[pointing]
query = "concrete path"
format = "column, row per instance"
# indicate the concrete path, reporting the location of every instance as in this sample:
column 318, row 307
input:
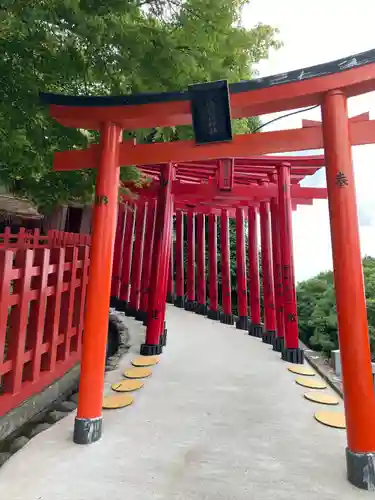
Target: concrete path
column 221, row 418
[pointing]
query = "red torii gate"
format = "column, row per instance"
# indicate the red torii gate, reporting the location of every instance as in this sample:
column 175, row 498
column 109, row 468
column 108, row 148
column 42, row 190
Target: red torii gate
column 225, row 196
column 329, row 86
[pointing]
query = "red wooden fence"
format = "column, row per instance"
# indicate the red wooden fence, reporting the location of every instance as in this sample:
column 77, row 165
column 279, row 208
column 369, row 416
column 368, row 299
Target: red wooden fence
column 33, row 239
column 42, row 299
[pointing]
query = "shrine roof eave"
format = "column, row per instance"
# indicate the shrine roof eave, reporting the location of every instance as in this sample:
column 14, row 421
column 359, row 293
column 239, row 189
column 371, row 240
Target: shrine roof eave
column 354, row 75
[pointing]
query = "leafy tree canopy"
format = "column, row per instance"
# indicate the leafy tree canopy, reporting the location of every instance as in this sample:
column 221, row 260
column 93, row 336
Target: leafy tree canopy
column 111, row 47
column 317, row 309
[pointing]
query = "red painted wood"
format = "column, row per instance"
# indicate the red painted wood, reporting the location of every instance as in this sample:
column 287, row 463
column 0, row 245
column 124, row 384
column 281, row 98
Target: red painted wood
column 190, row 270
column 298, row 94
column 148, row 255
column 201, row 260
column 166, row 263
column 212, row 259
column 136, row 271
column 37, row 354
column 287, row 261
column 127, row 254
column 353, row 332
column 42, row 259
column 180, row 285
column 6, row 276
column 170, row 284
column 33, row 239
column 91, row 384
column 157, row 296
column 254, row 282
column 72, row 280
column 225, row 264
column 117, row 254
column 79, row 310
column 54, row 309
column 356, row 118
column 277, row 269
column 241, row 263
column 251, row 145
column 226, row 174
column 267, row 272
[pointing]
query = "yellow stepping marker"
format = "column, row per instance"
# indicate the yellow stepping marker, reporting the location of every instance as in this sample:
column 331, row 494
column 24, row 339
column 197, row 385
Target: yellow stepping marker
column 146, row 361
column 138, row 373
column 310, row 383
column 331, row 419
column 115, row 401
column 301, row 370
column 324, row 399
column 127, row 385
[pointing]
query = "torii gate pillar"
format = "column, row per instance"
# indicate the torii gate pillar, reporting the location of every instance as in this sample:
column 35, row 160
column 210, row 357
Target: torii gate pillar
column 291, row 352
column 255, row 327
column 190, row 272
column 213, row 311
column 243, row 320
column 117, row 256
column 350, row 296
column 88, row 423
column 226, row 289
column 278, row 340
column 137, row 262
column 267, row 271
column 127, row 254
column 201, row 307
column 180, row 284
column 141, row 314
column 158, row 279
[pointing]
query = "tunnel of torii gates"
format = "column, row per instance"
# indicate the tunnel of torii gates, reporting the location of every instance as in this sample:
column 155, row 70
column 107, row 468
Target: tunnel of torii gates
column 182, row 182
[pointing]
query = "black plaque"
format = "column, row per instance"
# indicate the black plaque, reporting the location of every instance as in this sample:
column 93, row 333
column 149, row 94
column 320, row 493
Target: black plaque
column 210, row 109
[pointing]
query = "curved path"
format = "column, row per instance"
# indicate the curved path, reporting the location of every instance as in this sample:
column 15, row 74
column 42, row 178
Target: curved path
column 220, row 418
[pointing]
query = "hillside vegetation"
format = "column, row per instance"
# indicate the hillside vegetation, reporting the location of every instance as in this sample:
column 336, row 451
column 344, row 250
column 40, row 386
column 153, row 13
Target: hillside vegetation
column 317, row 309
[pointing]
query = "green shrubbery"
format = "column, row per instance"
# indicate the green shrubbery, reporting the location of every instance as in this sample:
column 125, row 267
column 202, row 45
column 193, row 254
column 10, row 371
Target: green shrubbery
column 317, row 309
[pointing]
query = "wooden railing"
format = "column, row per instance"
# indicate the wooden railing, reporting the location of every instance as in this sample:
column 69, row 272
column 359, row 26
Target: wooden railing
column 33, row 239
column 42, row 300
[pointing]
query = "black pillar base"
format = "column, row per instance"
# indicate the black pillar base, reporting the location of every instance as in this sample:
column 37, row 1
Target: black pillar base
column 87, row 430
column 278, row 344
column 190, row 305
column 226, row 319
column 242, row 323
column 201, row 309
column 113, row 302
column 293, row 356
column 170, row 298
column 361, row 469
column 268, row 337
column 151, row 349
column 256, row 330
column 131, row 311
column 215, row 315
column 179, row 302
column 122, row 306
column 140, row 315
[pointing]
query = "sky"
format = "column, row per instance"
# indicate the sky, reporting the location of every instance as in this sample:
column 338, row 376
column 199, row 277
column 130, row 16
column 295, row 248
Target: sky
column 312, row 33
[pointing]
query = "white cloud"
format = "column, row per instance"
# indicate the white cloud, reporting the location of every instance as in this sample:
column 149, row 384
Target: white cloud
column 313, row 33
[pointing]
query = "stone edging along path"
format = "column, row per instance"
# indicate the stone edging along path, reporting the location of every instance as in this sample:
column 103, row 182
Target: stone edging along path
column 320, row 364
column 61, row 408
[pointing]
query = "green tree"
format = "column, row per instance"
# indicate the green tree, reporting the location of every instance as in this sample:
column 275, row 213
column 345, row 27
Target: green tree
column 317, row 309
column 112, row 47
